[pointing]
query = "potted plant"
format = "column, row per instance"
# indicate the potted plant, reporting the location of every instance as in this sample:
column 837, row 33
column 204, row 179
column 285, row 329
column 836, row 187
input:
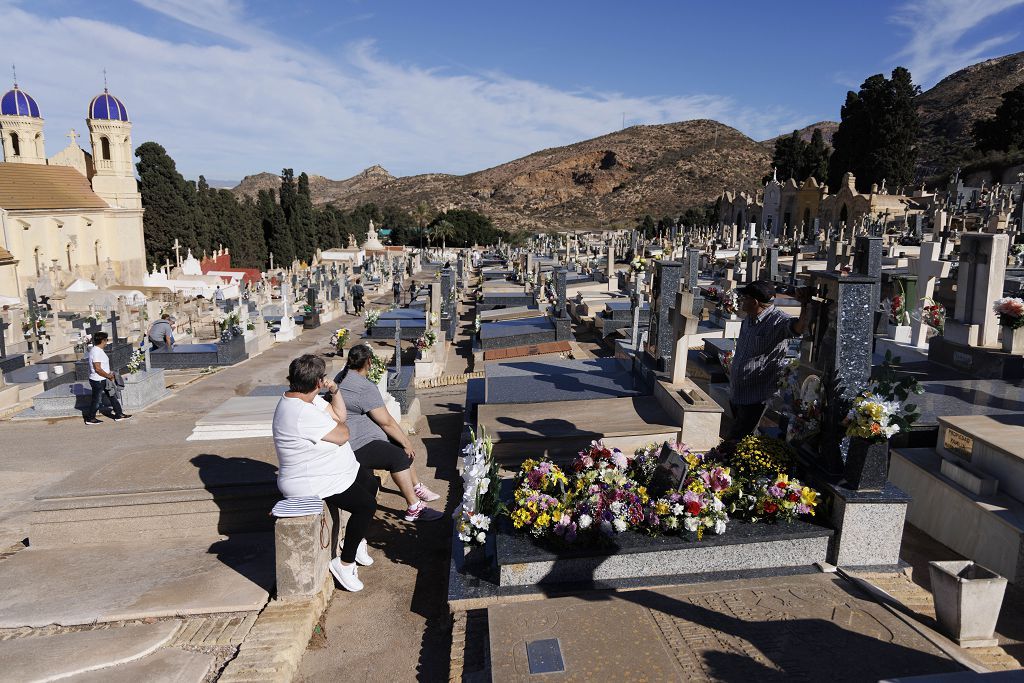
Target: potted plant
column 967, row 601
column 372, row 315
column 1011, row 317
column 339, row 339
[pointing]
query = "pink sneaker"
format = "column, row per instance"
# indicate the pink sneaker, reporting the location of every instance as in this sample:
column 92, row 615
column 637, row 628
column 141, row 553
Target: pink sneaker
column 421, row 513
column 425, row 494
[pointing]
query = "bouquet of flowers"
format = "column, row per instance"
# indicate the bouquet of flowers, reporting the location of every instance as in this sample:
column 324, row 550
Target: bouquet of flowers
column 779, row 499
column 874, row 418
column 371, row 316
column 597, row 456
column 378, row 368
column 934, row 315
column 753, row 457
column 426, row 341
column 898, row 311
column 637, row 265
column 476, row 325
column 729, row 301
column 534, row 508
column 711, row 293
column 480, row 501
column 605, row 501
column 137, row 360
column 339, row 338
column 1010, row 310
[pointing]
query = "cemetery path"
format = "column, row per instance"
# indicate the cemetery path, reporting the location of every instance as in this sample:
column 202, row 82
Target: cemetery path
column 398, row 628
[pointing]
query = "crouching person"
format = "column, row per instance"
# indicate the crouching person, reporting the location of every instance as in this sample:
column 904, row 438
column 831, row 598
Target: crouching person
column 316, row 460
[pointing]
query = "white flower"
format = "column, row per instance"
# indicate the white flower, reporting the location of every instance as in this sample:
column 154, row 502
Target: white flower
column 481, row 537
column 480, row 521
column 717, row 504
column 585, row 521
column 484, row 484
column 719, row 526
column 465, row 538
column 616, row 507
column 678, row 509
column 619, row 524
column 691, row 523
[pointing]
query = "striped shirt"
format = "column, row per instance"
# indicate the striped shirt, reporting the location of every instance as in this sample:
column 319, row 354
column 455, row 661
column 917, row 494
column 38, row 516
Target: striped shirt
column 759, row 356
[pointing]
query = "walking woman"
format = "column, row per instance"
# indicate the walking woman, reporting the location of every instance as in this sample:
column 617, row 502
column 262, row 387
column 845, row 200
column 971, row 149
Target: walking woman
column 370, row 425
column 316, row 460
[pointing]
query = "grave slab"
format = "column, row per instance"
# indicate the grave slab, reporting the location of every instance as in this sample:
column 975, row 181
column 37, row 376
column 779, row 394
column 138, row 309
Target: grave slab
column 521, row 332
column 549, row 381
column 62, row 655
column 102, row 583
column 723, row 631
column 169, row 665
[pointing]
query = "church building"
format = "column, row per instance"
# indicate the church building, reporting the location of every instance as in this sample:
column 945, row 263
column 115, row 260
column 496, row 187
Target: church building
column 72, row 215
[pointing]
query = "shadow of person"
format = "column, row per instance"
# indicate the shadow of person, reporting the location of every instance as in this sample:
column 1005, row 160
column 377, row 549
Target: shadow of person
column 244, row 490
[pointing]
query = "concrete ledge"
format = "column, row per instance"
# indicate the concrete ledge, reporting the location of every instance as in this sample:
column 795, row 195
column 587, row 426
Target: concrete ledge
column 303, row 547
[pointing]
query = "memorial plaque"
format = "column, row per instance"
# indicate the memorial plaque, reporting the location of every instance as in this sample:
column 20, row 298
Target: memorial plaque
column 670, row 471
column 544, row 656
column 958, row 443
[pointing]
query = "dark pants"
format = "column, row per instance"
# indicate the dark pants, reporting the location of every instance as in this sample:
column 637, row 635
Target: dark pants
column 98, row 389
column 744, row 419
column 383, row 455
column 360, row 500
column 358, row 303
column 157, row 345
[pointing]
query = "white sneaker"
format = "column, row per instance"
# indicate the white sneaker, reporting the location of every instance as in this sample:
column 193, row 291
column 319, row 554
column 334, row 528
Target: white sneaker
column 363, row 557
column 348, row 577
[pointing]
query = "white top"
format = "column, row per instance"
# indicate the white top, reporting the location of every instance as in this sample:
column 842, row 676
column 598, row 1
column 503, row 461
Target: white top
column 98, row 355
column 307, row 465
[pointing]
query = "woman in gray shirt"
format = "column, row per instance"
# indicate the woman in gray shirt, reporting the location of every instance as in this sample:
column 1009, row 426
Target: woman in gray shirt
column 370, row 424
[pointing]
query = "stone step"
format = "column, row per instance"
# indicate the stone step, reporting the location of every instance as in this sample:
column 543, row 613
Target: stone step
column 141, row 580
column 73, row 653
column 169, row 665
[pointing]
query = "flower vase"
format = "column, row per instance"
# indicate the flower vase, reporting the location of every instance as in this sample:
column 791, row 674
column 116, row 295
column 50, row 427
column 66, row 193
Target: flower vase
column 867, row 464
column 1013, row 340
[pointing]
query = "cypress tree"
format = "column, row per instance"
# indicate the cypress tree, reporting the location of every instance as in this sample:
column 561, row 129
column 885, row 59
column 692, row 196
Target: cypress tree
column 1005, row 130
column 165, row 198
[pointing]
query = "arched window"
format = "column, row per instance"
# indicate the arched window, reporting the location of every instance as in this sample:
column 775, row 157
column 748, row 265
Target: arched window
column 105, row 149
column 39, row 145
column 15, row 144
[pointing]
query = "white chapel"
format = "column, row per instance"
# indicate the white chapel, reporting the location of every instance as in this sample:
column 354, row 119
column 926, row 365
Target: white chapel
column 75, row 214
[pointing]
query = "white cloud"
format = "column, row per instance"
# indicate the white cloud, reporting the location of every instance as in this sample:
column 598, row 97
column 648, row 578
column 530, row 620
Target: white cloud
column 248, row 101
column 943, row 35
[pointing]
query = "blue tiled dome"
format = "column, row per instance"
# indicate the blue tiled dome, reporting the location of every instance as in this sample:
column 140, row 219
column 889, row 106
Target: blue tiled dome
column 17, row 102
column 106, row 106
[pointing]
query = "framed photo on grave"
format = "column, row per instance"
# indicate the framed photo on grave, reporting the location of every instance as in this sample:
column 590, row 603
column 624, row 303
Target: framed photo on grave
column 671, row 470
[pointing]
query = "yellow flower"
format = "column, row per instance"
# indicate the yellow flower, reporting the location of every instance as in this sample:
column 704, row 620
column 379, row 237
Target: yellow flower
column 556, row 515
column 661, row 508
column 543, row 520
column 809, row 497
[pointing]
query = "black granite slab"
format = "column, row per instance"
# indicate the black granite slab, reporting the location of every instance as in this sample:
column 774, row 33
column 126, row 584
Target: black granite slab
column 948, row 392
column 200, row 355
column 402, row 386
column 11, row 362
column 385, row 329
column 268, row 390
column 514, row 548
column 503, row 334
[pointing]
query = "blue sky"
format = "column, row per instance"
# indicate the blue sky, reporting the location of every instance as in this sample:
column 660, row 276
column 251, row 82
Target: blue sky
column 232, row 87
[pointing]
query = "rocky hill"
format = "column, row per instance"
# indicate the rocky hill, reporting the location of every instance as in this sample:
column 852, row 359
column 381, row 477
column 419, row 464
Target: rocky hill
column 609, row 180
column 828, row 128
column 949, row 109
column 659, row 169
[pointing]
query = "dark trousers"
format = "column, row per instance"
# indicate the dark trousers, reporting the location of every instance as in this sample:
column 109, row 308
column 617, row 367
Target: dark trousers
column 744, row 419
column 360, row 500
column 98, row 389
column 358, row 303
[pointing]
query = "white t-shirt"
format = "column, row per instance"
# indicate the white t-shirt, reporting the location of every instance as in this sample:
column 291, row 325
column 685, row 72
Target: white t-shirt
column 307, row 465
column 98, row 355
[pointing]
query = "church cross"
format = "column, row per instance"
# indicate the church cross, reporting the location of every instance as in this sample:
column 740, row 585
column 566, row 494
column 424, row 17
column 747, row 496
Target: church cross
column 114, row 317
column 177, row 252
column 73, row 135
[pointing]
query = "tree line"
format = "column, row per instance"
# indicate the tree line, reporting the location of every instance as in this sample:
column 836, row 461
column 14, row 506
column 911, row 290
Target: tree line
column 283, row 222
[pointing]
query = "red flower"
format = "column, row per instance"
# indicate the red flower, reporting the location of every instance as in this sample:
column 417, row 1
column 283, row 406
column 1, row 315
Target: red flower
column 693, row 507
column 793, row 497
column 781, row 485
column 770, row 508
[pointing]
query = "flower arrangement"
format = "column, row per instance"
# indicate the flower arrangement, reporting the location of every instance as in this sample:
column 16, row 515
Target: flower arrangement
column 729, row 301
column 604, row 501
column 480, row 502
column 378, row 368
column 726, row 360
column 934, row 315
column 711, row 293
column 801, row 403
column 780, row 499
column 534, row 508
column 753, row 457
column 136, row 361
column 1010, row 310
column 371, row 316
column 426, row 341
column 873, row 418
column 597, row 456
column 339, row 339
column 898, row 311
column 638, row 265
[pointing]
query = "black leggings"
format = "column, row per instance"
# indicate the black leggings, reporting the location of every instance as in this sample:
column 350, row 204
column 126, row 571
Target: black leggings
column 383, row 455
column 360, row 500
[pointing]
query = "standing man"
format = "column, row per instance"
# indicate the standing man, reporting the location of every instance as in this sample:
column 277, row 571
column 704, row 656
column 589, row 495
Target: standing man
column 161, row 333
column 760, row 352
column 396, row 290
column 357, row 296
column 99, row 376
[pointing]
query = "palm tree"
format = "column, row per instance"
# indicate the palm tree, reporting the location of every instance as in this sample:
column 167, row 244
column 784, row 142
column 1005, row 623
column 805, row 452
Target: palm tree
column 445, row 230
column 422, row 215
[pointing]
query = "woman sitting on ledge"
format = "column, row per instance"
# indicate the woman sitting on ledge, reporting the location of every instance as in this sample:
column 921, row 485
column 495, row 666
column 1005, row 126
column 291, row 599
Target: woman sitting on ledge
column 316, row 460
column 371, row 424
